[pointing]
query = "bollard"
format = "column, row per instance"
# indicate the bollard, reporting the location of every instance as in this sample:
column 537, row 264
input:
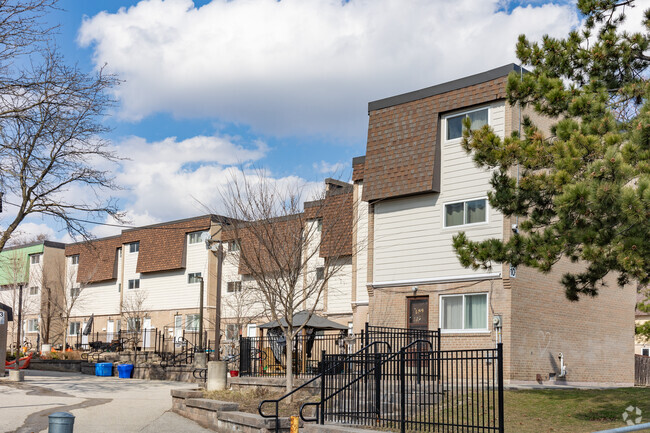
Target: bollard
column 17, row 375
column 295, row 424
column 217, row 376
column 61, row 422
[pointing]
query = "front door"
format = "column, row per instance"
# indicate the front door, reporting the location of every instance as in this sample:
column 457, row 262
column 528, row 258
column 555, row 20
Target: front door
column 418, row 313
column 110, row 328
column 146, row 332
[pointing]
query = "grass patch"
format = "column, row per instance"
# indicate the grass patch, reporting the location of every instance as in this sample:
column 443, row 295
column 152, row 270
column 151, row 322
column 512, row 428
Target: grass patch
column 570, row 410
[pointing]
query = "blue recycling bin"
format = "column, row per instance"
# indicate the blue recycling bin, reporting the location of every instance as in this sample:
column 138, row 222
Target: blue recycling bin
column 125, row 371
column 104, row 369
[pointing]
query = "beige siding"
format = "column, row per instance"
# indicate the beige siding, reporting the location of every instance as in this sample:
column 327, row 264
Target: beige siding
column 410, row 242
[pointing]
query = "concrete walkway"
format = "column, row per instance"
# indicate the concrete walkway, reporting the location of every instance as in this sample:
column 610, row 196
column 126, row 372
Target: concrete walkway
column 99, row 404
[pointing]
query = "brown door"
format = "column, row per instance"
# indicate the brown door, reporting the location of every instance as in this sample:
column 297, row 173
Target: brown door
column 418, row 313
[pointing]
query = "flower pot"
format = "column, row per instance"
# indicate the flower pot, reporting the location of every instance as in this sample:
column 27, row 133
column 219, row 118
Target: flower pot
column 234, row 373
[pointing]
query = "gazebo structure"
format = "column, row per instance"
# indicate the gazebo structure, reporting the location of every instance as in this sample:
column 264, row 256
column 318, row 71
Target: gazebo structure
column 307, row 346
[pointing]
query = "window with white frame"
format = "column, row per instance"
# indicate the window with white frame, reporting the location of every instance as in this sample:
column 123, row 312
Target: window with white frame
column 74, row 328
column 133, row 324
column 75, row 259
column 233, row 246
column 320, row 273
column 33, row 291
column 466, row 212
column 194, row 237
column 35, row 259
column 134, row 284
column 32, row 325
column 134, row 247
column 464, row 312
column 75, row 292
column 454, row 124
column 232, row 332
column 192, row 322
column 234, row 286
column 193, row 277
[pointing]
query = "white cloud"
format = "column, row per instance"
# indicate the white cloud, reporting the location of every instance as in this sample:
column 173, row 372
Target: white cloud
column 302, row 67
column 334, row 169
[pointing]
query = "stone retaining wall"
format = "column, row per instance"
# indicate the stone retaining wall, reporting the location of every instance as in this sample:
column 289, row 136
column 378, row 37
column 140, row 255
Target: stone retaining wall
column 222, row 416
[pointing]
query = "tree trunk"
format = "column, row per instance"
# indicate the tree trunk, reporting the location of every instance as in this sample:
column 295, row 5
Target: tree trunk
column 289, row 366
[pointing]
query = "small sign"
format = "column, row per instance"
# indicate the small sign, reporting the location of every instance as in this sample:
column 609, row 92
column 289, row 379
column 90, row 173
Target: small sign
column 2, row 317
column 513, row 271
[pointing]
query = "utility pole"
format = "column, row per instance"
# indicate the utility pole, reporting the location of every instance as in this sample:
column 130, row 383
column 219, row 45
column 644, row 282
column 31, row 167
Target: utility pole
column 217, row 318
column 200, row 348
column 20, row 319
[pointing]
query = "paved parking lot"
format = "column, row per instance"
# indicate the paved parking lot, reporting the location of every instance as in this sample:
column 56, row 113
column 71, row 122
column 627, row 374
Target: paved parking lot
column 99, row 404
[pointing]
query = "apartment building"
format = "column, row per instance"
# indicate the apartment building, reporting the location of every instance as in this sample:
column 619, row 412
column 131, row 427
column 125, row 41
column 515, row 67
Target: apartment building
column 418, row 188
column 34, row 270
column 326, row 227
column 144, row 278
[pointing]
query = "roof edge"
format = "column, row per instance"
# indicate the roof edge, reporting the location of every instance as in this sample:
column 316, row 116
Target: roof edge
column 449, row 86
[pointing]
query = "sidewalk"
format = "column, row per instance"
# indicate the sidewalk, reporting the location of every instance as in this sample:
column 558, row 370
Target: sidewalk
column 99, row 404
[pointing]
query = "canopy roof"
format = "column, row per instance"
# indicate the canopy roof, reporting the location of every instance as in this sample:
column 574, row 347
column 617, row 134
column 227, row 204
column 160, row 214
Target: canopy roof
column 299, row 319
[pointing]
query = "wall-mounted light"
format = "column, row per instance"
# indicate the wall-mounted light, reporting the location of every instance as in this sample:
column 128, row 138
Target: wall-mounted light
column 415, row 290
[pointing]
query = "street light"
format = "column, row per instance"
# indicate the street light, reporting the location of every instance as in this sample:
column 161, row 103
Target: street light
column 200, row 348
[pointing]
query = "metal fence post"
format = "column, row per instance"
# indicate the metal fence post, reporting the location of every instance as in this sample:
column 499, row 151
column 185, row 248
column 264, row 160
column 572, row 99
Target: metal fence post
column 402, row 389
column 322, row 388
column 378, row 384
column 500, row 390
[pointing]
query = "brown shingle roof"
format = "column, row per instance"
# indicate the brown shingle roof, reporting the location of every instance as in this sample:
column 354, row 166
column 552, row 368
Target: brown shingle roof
column 403, row 154
column 162, row 248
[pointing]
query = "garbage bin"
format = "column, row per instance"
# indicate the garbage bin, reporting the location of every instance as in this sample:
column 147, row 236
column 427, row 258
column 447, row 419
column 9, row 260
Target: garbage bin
column 125, row 371
column 61, row 422
column 104, row 369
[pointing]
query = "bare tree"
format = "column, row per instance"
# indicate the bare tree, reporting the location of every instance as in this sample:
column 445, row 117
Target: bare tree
column 16, row 272
column 50, row 125
column 281, row 247
column 53, row 288
column 64, row 306
column 134, row 309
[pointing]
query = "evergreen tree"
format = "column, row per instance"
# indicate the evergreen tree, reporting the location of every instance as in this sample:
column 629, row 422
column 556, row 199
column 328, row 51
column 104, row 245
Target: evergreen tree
column 584, row 191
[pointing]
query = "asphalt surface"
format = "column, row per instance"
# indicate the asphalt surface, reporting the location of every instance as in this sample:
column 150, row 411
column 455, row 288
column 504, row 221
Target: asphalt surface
column 99, row 404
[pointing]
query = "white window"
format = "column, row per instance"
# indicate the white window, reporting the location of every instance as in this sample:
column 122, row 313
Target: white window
column 134, row 247
column 35, row 259
column 464, row 312
column 32, row 325
column 454, row 124
column 232, row 332
column 191, row 322
column 320, row 273
column 234, row 286
column 234, row 246
column 75, row 259
column 134, row 284
column 74, row 328
column 194, row 277
column 319, row 225
column 75, row 292
column 33, row 291
column 119, row 287
column 251, row 330
column 466, row 212
column 194, row 237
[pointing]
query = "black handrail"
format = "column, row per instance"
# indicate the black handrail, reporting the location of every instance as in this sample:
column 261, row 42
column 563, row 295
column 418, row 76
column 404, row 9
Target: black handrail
column 324, row 399
column 322, row 373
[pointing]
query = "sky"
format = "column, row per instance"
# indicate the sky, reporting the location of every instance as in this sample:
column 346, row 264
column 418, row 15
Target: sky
column 215, row 87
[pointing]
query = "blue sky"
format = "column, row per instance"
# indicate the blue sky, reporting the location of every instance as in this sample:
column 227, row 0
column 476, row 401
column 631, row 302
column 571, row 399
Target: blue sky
column 224, row 85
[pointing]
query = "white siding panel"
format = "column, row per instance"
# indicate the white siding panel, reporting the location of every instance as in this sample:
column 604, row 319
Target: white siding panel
column 410, row 240
column 339, row 290
column 362, row 248
column 100, row 298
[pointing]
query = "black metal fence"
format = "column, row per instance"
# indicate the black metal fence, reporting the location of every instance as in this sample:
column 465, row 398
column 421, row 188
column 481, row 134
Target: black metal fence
column 416, row 388
column 266, row 356
column 400, row 337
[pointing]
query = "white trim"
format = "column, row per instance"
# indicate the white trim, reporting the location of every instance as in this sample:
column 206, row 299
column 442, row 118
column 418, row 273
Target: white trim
column 450, row 279
column 463, row 330
column 360, row 303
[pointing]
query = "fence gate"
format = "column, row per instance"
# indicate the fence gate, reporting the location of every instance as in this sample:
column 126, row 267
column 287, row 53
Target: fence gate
column 642, row 370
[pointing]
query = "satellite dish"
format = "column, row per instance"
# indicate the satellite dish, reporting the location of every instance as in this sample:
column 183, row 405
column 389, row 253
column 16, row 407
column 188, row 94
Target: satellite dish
column 205, row 236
